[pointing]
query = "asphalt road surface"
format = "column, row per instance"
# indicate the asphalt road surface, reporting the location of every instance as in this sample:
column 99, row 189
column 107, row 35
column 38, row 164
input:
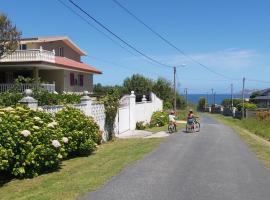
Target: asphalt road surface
column 211, row 165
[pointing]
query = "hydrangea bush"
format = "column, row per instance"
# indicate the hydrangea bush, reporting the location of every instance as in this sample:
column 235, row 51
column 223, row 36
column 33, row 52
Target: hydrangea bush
column 81, row 132
column 32, row 142
column 26, row 142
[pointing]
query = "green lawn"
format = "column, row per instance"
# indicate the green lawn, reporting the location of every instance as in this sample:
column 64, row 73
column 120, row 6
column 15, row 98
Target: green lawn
column 80, row 175
column 245, row 129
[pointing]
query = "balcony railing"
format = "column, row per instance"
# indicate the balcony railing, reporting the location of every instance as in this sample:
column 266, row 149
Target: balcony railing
column 29, row 55
column 21, row 87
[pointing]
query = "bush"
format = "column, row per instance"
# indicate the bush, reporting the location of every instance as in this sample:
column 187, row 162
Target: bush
column 246, row 106
column 81, row 131
column 26, row 142
column 159, row 118
column 10, row 98
column 141, row 125
column 201, row 104
column 228, row 102
column 47, row 98
column 167, row 105
column 32, row 142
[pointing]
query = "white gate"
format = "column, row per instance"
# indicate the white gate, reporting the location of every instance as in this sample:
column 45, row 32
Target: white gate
column 122, row 120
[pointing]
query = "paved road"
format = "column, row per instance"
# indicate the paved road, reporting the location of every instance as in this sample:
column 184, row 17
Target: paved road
column 212, row 165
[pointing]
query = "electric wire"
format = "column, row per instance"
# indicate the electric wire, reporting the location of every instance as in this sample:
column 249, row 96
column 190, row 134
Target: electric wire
column 119, row 38
column 91, row 25
column 170, row 43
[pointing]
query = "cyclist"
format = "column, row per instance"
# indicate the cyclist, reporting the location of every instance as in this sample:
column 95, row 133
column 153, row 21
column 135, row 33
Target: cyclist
column 190, row 118
column 172, row 118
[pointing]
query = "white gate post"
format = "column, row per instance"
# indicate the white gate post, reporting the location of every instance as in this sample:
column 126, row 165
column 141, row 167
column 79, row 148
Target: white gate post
column 86, row 100
column 144, row 100
column 132, row 111
column 29, row 101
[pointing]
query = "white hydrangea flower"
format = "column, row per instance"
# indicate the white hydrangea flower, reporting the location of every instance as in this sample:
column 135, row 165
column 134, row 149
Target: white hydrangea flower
column 54, row 123
column 56, row 143
column 50, row 125
column 26, row 133
column 65, row 140
column 36, row 127
column 0, row 120
column 40, row 109
column 37, row 118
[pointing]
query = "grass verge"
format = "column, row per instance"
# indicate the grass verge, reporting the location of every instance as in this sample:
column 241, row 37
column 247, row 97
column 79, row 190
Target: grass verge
column 258, row 145
column 80, row 175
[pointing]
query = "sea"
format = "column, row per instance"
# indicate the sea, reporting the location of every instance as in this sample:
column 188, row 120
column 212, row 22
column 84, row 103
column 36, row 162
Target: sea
column 194, row 98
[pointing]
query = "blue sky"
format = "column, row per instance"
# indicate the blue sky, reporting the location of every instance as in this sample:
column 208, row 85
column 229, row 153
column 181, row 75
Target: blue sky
column 230, row 37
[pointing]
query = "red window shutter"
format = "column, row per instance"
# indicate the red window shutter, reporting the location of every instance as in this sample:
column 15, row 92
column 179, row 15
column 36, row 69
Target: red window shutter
column 81, row 80
column 72, row 80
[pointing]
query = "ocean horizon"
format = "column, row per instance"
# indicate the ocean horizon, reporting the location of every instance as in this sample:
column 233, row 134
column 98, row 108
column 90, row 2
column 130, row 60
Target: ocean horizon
column 194, row 98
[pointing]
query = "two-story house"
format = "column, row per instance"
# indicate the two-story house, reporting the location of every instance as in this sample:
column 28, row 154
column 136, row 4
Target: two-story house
column 55, row 60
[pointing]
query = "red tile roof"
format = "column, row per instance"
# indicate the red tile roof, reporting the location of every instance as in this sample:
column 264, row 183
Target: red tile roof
column 72, row 64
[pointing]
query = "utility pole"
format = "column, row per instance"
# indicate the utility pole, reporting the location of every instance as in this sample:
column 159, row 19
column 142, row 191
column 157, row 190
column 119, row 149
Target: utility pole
column 174, row 88
column 212, row 95
column 243, row 98
column 186, row 96
column 215, row 98
column 232, row 95
column 207, row 100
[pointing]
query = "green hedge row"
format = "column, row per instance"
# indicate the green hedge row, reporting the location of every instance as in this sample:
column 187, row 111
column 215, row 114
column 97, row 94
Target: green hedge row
column 33, row 142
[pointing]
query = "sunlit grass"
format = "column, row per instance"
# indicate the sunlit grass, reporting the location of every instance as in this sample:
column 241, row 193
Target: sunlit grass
column 82, row 174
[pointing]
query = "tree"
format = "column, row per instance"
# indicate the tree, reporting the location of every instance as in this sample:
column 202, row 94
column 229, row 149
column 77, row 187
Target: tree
column 228, row 102
column 163, row 89
column 9, row 36
column 138, row 83
column 103, row 90
column 255, row 94
column 201, row 104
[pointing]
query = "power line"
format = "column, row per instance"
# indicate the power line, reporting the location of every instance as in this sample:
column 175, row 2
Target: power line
column 168, row 42
column 119, row 65
column 118, row 37
column 91, row 25
column 258, row 81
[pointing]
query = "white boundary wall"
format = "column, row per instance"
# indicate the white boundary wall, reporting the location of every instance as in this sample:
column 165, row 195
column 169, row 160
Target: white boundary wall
column 128, row 114
column 131, row 112
column 145, row 109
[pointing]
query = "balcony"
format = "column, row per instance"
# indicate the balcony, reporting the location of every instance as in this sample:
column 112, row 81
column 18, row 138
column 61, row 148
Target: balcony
column 30, row 55
column 23, row 86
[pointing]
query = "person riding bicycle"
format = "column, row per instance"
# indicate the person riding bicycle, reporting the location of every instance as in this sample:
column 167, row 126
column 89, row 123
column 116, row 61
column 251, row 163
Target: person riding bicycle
column 172, row 118
column 190, row 117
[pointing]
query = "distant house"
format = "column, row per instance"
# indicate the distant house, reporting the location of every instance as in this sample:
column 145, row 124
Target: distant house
column 263, row 101
column 56, row 60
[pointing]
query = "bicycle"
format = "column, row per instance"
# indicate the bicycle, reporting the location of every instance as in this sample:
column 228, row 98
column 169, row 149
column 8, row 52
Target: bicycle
column 193, row 127
column 171, row 127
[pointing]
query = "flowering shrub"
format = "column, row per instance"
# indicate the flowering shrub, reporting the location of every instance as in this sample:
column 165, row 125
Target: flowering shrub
column 26, row 147
column 159, row 118
column 246, row 106
column 141, row 125
column 80, row 133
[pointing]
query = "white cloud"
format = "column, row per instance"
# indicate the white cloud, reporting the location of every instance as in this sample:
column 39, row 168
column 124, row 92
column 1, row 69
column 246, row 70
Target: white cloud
column 220, row 60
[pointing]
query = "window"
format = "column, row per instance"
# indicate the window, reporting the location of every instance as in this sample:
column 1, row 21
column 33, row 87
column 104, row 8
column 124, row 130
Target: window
column 61, row 51
column 72, row 79
column 23, row 46
column 80, row 80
